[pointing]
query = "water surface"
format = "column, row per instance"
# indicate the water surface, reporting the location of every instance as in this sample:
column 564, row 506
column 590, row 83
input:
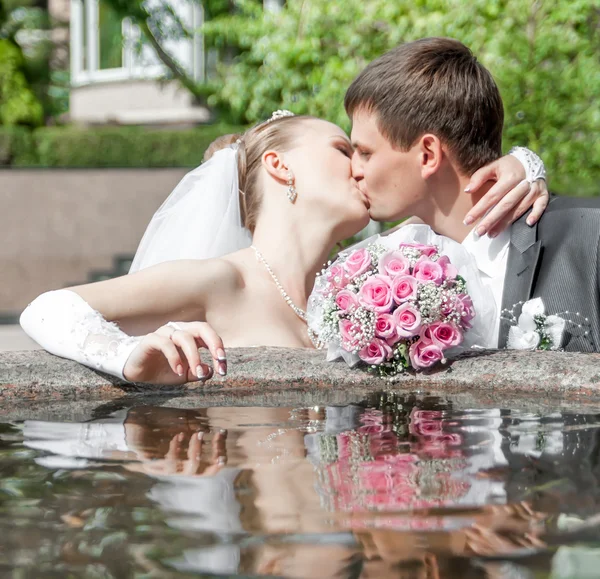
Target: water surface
column 399, row 486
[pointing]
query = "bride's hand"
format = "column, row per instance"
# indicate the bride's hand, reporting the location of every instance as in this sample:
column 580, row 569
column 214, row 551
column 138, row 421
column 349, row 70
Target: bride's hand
column 509, row 197
column 170, row 355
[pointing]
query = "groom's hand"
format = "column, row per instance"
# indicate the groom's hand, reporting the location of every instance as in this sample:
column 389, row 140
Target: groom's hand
column 509, row 198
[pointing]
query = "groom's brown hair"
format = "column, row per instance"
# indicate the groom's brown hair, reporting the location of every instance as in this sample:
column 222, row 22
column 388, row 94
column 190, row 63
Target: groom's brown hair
column 433, row 85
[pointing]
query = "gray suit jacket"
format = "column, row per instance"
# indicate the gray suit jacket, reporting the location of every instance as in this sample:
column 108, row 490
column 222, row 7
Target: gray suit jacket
column 558, row 260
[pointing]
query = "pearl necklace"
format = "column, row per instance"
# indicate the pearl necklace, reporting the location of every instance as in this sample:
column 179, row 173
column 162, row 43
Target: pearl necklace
column 314, row 338
column 288, row 300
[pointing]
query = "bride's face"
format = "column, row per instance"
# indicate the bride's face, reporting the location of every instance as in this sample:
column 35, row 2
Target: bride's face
column 321, row 163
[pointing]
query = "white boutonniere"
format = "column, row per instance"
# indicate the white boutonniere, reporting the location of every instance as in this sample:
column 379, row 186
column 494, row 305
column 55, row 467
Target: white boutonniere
column 534, row 330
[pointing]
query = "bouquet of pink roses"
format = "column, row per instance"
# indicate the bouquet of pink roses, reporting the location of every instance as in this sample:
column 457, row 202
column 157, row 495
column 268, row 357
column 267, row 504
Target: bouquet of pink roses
column 394, row 308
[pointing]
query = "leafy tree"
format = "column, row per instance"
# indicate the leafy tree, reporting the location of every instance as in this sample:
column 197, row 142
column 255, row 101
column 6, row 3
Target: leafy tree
column 545, row 57
column 24, row 63
column 159, row 22
column 18, row 103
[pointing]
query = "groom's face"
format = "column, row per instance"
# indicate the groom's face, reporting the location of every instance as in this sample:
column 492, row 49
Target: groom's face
column 389, row 178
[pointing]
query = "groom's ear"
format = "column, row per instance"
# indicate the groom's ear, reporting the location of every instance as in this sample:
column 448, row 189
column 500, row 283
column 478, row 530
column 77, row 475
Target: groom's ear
column 275, row 165
column 431, row 154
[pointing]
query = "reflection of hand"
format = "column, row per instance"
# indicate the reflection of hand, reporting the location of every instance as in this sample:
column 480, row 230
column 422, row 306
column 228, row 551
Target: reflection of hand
column 170, row 355
column 192, row 465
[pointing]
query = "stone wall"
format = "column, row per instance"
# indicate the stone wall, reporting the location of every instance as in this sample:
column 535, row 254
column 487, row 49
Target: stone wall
column 286, row 377
column 58, row 224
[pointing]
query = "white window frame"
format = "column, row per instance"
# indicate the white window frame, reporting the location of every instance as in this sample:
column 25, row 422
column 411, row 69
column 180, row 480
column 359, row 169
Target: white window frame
column 191, row 57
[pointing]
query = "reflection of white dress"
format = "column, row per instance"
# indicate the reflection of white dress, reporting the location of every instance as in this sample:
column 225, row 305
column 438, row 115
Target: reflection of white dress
column 77, row 444
column 482, row 333
column 202, row 503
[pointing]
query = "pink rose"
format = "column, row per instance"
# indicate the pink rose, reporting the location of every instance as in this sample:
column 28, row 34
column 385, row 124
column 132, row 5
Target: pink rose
column 427, row 250
column 426, row 270
column 418, row 415
column 408, row 320
column 464, row 306
column 346, row 301
column 444, row 334
column 393, row 264
column 426, row 427
column 350, row 334
column 404, row 287
column 440, row 445
column 449, row 271
column 337, row 277
column 376, row 352
column 357, row 263
column 371, row 429
column 385, row 327
column 424, row 354
column 376, row 294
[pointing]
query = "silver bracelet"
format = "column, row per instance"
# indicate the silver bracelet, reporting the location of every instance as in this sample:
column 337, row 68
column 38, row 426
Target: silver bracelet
column 534, row 166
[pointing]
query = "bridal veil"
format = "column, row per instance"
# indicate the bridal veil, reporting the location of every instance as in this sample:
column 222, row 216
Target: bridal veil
column 201, row 218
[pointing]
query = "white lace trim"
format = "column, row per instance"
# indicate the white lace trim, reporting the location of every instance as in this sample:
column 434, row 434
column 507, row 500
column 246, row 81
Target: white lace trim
column 64, row 324
column 534, row 166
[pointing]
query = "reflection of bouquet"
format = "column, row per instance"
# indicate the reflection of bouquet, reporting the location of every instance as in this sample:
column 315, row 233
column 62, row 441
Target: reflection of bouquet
column 396, row 309
column 373, row 469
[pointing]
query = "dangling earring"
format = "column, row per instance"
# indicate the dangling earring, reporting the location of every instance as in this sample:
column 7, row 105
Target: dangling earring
column 291, row 192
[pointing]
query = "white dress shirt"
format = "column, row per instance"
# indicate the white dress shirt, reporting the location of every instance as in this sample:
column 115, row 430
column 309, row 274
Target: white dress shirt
column 491, row 256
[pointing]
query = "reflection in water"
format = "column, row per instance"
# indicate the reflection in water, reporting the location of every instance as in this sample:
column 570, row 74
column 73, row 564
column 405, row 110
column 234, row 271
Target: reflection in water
column 398, row 486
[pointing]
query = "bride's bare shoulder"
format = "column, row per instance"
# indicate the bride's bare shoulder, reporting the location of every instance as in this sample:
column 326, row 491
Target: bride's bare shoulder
column 227, row 273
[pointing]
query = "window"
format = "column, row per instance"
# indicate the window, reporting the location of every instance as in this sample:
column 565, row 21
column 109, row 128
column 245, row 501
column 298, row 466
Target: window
column 105, row 48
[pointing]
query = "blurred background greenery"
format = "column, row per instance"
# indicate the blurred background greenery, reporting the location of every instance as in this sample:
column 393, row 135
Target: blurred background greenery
column 545, row 56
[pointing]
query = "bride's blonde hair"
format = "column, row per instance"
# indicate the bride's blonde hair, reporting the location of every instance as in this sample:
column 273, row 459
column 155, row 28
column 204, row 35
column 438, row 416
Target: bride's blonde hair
column 279, row 134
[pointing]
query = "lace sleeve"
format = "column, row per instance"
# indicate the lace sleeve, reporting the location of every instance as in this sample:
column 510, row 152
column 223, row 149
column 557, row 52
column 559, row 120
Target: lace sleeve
column 64, row 324
column 534, row 166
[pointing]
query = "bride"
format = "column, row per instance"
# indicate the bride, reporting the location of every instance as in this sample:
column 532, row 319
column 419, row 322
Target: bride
column 286, row 186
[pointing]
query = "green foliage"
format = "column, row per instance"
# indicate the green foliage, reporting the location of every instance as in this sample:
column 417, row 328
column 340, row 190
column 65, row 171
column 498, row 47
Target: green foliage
column 107, row 147
column 18, row 103
column 26, row 25
column 16, row 147
column 545, row 57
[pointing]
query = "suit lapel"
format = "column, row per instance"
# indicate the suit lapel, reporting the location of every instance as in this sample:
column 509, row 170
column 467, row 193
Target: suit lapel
column 523, row 256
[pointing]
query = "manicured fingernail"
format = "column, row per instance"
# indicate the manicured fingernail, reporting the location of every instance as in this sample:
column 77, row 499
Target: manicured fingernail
column 200, row 435
column 200, row 373
column 221, row 355
column 467, row 188
column 492, row 234
column 468, row 220
column 221, row 460
column 529, row 221
column 222, row 431
column 180, row 437
column 179, row 370
column 223, row 368
column 481, row 230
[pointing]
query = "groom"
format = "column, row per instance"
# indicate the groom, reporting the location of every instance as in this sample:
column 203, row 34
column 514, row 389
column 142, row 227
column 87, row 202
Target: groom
column 425, row 116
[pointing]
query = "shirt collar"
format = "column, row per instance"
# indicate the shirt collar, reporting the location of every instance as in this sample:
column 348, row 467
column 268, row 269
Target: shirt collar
column 488, row 252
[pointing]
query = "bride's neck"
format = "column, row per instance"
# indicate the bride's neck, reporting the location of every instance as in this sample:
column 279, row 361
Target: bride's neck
column 295, row 252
